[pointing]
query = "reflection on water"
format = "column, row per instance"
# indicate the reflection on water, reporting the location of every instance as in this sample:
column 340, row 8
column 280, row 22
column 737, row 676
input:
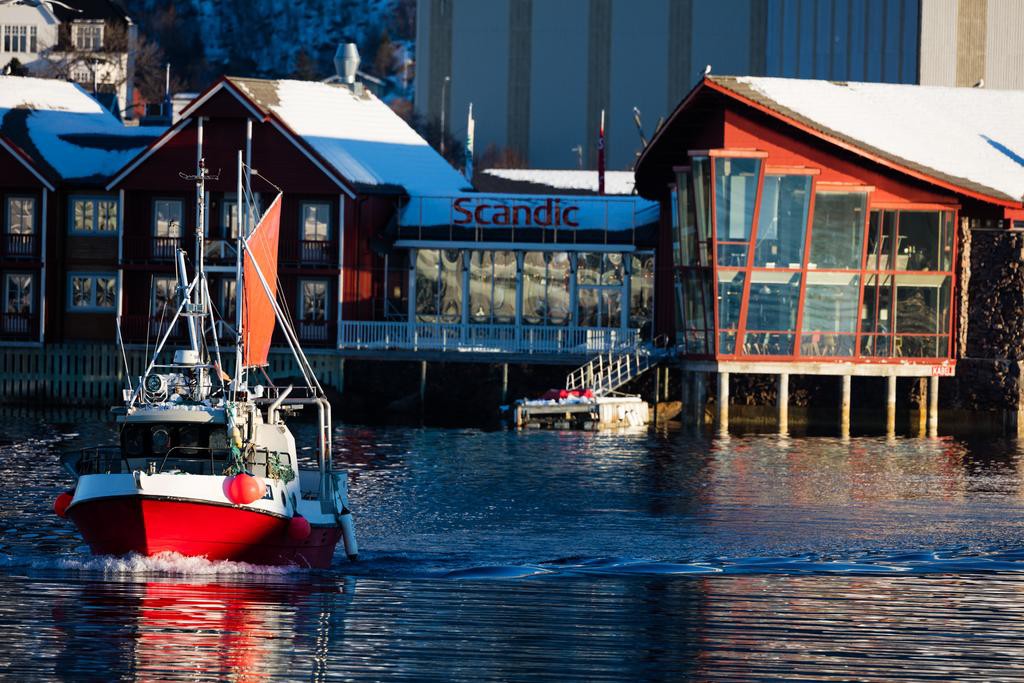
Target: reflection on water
column 576, row 556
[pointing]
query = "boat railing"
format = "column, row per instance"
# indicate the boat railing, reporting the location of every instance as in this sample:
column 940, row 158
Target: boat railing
column 101, row 460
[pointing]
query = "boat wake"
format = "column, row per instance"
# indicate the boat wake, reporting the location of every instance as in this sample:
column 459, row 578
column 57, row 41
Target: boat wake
column 162, row 564
column 948, row 561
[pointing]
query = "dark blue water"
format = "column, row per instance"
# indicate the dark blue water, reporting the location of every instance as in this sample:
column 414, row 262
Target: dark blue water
column 560, row 555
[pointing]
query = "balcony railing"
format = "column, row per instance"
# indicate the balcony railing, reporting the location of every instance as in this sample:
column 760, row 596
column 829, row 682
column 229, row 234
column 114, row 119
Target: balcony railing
column 16, row 245
column 149, row 248
column 318, row 332
column 524, row 339
column 18, row 326
column 311, row 252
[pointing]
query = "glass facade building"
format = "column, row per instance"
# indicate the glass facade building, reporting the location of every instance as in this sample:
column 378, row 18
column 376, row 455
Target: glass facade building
column 772, row 263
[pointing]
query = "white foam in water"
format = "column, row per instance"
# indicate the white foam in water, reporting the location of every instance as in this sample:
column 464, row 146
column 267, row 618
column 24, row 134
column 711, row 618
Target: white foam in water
column 168, row 563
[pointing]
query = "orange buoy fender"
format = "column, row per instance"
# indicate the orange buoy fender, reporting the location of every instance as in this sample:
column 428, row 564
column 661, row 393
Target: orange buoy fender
column 244, row 488
column 60, row 506
column 299, row 528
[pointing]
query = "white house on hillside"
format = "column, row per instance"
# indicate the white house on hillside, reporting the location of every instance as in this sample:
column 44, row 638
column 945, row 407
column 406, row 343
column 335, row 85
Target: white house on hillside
column 90, row 42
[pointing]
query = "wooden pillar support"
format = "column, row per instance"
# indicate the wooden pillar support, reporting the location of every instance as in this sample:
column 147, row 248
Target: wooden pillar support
column 504, row 383
column 783, row 403
column 844, row 406
column 933, row 406
column 723, row 402
column 890, row 406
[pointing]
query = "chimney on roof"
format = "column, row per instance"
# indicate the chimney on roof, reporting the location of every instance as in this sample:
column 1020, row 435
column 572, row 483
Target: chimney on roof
column 346, row 62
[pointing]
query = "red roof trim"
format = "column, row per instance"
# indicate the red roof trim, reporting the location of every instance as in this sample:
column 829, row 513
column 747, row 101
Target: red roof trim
column 853, row 148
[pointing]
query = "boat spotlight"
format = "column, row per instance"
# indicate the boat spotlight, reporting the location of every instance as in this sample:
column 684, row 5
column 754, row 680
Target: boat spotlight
column 156, row 387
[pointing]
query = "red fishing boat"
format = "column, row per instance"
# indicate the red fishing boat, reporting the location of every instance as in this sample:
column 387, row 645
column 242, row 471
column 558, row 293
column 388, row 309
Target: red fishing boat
column 206, row 465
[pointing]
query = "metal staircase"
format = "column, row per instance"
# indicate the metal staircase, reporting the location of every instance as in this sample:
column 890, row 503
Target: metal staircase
column 607, row 372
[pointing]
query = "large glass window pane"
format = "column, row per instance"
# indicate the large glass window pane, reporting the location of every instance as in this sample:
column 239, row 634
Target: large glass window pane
column 919, row 246
column 837, row 233
column 503, row 301
column 559, row 273
column 427, row 284
column 588, row 268
column 165, row 291
column 451, row 286
column 613, row 269
column 782, row 221
column 481, row 286
column 876, row 316
column 730, row 292
column 534, row 288
column 641, row 290
column 830, row 314
column 702, row 197
column 735, row 194
column 685, row 222
column 946, row 242
column 771, row 313
column 922, row 308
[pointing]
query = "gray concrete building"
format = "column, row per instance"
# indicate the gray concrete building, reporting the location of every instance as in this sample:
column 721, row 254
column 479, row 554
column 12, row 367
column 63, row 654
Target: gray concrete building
column 538, row 72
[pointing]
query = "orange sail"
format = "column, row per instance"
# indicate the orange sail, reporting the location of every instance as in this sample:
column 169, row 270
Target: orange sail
column 258, row 311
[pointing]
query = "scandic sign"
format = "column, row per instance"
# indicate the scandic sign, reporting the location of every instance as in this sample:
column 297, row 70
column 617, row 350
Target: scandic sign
column 520, row 214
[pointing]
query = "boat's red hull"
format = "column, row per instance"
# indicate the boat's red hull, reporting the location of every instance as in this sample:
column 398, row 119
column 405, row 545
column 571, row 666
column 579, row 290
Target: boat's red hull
column 147, row 525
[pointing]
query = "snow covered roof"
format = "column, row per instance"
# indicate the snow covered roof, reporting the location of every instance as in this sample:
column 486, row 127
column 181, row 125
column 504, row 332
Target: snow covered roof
column 361, row 138
column 971, row 138
column 616, row 182
column 67, row 134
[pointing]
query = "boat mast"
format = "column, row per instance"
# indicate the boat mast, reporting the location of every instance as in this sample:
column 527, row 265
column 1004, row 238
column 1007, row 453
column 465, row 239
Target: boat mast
column 239, row 298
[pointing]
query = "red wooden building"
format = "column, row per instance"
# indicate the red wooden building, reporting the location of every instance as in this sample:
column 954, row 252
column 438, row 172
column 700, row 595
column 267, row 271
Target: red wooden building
column 825, row 228
column 59, row 246
column 344, row 162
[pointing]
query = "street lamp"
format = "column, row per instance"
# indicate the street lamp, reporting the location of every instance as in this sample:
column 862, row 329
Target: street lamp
column 444, row 88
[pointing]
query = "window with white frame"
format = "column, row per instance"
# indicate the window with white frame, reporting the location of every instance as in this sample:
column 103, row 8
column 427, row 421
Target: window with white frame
column 93, row 215
column 316, row 221
column 313, row 300
column 92, row 292
column 88, row 37
column 18, row 294
column 167, row 216
column 21, row 215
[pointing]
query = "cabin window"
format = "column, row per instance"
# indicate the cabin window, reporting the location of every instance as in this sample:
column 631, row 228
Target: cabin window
column 18, row 294
column 492, row 287
column 92, row 292
column 93, row 215
column 316, row 221
column 313, row 300
column 167, row 217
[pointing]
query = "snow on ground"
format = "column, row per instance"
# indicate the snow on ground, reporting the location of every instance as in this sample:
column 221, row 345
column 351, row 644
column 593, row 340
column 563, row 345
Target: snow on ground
column 971, row 134
column 66, row 129
column 616, row 182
